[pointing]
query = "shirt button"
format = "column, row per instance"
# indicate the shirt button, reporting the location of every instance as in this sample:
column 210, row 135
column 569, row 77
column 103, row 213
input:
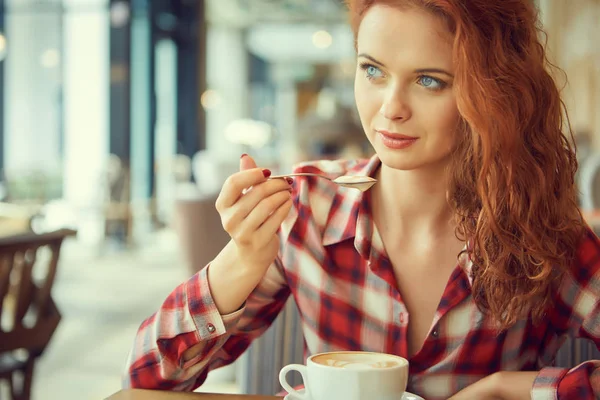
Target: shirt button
column 211, row 328
column 435, row 333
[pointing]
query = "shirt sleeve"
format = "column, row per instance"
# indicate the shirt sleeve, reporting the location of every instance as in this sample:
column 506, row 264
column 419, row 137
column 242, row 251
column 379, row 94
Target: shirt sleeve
column 189, row 317
column 577, row 309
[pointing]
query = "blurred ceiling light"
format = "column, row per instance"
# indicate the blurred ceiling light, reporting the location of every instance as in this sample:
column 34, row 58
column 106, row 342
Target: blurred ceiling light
column 119, row 14
column 210, row 99
column 322, row 39
column 50, row 58
column 249, row 132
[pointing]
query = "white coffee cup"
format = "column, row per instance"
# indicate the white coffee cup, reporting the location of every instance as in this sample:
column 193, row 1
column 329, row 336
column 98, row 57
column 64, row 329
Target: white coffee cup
column 349, row 375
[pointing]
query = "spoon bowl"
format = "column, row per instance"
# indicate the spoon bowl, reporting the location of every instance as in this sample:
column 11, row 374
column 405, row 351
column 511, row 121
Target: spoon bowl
column 362, row 183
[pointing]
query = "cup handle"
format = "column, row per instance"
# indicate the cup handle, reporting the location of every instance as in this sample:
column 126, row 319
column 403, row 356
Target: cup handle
column 288, row 388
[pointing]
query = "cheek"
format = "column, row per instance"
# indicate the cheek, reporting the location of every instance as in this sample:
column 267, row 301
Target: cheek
column 366, row 100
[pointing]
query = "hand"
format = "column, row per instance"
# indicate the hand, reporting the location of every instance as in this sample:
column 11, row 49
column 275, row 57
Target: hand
column 252, row 208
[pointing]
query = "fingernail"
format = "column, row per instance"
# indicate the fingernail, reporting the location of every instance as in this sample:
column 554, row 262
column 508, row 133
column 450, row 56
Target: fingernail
column 289, row 180
column 244, row 155
column 266, row 173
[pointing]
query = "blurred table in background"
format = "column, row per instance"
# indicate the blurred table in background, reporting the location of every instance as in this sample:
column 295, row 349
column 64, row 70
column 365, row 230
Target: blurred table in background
column 16, row 219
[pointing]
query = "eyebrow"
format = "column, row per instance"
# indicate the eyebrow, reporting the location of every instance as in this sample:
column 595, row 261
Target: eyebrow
column 417, row 71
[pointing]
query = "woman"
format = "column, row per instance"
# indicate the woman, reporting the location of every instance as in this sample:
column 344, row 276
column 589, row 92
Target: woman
column 469, row 257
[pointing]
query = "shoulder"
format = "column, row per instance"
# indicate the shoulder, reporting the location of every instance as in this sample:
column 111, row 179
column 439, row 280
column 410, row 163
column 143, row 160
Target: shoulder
column 579, row 289
column 586, row 268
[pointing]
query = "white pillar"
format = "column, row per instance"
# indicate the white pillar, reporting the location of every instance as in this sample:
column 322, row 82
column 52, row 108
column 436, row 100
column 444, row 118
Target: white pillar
column 86, row 85
column 227, row 74
column 286, row 106
column 32, row 92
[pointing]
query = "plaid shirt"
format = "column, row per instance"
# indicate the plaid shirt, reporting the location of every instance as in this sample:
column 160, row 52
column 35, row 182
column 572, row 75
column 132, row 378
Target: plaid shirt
column 333, row 262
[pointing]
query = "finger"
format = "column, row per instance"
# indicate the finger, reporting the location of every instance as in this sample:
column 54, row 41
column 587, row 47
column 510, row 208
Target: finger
column 247, row 162
column 252, row 198
column 234, row 186
column 234, row 215
column 259, row 215
column 272, row 224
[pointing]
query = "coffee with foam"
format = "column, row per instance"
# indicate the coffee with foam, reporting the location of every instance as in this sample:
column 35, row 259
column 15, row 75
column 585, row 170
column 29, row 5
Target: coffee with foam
column 356, row 360
column 349, row 375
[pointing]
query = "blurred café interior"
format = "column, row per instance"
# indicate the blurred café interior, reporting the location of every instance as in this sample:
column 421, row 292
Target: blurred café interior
column 120, row 120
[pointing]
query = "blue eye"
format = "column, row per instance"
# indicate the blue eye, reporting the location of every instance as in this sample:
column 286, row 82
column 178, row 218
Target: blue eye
column 431, row 83
column 371, row 71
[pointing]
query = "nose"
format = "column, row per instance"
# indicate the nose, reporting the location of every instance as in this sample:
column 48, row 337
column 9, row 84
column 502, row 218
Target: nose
column 395, row 105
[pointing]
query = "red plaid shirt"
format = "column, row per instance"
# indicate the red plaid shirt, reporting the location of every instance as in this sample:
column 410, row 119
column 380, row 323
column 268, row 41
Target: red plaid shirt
column 333, row 262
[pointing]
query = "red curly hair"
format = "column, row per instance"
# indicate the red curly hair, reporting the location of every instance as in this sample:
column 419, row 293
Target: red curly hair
column 512, row 176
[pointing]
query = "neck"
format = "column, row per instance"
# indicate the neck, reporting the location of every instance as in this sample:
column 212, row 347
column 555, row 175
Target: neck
column 412, row 201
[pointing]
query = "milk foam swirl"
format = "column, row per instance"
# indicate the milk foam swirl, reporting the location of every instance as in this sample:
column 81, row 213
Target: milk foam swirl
column 355, row 361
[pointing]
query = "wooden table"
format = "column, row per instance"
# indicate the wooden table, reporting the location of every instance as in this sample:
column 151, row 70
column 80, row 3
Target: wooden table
column 138, row 394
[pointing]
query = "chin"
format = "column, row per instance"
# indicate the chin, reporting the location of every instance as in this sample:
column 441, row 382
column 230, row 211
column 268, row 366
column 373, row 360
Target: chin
column 411, row 161
column 400, row 161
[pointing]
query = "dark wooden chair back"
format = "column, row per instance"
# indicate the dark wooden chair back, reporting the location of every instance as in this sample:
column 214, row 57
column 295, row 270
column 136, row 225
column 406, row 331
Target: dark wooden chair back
column 28, row 315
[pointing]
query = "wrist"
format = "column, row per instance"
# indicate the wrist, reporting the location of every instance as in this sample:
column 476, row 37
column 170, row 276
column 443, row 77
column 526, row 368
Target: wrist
column 235, row 266
column 231, row 281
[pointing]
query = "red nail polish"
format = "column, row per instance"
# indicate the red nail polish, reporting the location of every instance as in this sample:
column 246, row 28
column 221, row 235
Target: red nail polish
column 266, row 173
column 244, row 155
column 289, row 180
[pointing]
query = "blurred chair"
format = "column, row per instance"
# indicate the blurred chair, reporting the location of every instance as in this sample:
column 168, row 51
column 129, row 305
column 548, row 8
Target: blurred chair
column 198, row 226
column 197, row 222
column 28, row 315
column 575, row 351
column 118, row 213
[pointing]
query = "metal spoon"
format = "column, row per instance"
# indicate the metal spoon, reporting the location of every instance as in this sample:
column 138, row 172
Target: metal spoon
column 362, row 183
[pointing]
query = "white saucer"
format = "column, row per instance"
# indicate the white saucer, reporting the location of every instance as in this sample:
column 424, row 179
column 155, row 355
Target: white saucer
column 405, row 396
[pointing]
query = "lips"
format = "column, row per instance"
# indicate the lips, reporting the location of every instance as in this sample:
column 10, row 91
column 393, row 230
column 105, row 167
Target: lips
column 396, row 136
column 396, row 141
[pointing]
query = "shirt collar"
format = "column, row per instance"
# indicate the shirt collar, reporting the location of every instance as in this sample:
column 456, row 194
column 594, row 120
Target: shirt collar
column 350, row 216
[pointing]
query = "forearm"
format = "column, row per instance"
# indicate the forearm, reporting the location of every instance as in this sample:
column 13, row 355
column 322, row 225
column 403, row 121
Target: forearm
column 186, row 318
column 230, row 281
column 515, row 385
